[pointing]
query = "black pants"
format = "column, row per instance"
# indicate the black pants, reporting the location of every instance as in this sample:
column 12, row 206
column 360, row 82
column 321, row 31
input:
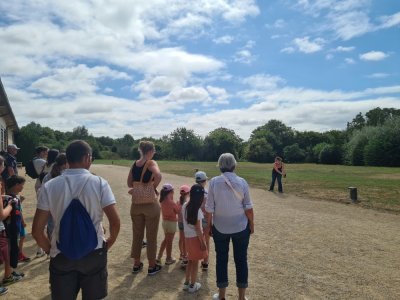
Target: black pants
column 89, row 273
column 12, row 234
column 278, row 177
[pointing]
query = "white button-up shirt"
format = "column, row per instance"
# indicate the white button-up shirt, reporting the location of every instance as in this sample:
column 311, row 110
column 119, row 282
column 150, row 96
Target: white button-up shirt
column 227, row 209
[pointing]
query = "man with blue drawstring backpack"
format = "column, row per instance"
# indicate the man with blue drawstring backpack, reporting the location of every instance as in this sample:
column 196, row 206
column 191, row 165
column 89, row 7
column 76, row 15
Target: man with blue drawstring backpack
column 78, row 248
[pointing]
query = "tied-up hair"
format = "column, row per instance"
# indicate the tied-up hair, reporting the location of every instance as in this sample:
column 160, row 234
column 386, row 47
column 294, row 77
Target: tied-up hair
column 166, row 189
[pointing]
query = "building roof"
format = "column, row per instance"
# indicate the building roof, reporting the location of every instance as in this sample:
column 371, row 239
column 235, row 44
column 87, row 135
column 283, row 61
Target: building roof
column 5, row 110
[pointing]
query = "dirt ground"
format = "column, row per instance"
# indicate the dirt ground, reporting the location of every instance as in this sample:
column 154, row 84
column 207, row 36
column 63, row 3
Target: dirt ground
column 301, row 249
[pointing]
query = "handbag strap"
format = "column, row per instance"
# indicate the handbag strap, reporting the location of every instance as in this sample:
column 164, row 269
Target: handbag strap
column 237, row 194
column 145, row 167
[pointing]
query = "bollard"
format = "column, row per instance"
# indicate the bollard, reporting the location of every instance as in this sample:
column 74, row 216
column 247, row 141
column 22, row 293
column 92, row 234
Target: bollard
column 353, row 194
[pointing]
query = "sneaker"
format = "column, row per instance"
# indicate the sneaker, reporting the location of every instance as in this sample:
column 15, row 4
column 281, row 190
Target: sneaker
column 194, row 287
column 154, row 271
column 20, row 274
column 186, row 286
column 40, row 253
column 23, row 258
column 158, row 261
column 144, row 244
column 216, row 297
column 11, row 279
column 204, row 266
column 170, row 261
column 137, row 269
column 184, row 263
column 3, row 290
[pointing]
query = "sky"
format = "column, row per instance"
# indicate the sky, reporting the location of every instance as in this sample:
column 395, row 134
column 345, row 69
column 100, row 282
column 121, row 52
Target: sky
column 147, row 67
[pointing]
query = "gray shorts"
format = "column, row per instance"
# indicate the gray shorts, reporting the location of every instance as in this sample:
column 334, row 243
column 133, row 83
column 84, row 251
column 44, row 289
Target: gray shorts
column 88, row 274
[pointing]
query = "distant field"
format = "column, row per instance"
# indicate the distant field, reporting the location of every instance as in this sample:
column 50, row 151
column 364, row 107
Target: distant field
column 378, row 188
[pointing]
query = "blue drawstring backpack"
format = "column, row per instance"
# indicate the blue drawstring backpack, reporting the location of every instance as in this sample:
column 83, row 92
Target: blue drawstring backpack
column 77, row 236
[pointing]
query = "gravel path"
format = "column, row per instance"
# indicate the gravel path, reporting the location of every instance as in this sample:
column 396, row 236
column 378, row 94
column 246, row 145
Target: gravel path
column 302, row 249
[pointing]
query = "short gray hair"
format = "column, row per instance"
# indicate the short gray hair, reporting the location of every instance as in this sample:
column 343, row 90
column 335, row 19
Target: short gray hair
column 226, row 162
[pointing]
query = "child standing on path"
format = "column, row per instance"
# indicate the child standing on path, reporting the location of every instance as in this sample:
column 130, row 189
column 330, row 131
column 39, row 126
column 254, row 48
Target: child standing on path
column 184, row 195
column 14, row 186
column 194, row 239
column 201, row 178
column 169, row 211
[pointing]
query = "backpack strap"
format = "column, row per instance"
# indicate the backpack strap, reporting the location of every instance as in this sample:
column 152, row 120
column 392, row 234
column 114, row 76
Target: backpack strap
column 70, row 189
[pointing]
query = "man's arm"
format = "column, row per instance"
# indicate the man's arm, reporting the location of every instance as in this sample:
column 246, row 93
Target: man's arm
column 38, row 225
column 115, row 223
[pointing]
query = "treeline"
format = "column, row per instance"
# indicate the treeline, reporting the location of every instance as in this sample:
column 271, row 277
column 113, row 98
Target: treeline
column 372, row 139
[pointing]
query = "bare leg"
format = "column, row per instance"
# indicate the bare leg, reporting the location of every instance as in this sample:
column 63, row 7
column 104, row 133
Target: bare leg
column 169, row 239
column 162, row 248
column 242, row 293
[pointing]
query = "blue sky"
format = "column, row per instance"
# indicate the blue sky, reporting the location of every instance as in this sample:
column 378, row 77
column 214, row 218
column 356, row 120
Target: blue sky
column 148, row 67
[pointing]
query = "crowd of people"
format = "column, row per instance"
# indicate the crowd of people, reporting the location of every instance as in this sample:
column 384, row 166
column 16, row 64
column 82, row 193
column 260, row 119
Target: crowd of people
column 71, row 202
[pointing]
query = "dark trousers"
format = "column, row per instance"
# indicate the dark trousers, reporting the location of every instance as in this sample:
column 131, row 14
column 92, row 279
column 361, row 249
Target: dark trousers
column 12, row 234
column 240, row 241
column 278, row 177
column 89, row 273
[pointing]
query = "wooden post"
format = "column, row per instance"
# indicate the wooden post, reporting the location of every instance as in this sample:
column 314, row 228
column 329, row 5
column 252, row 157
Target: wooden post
column 353, row 194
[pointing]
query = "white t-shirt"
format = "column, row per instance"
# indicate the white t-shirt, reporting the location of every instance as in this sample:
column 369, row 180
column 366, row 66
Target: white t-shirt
column 41, row 166
column 55, row 196
column 189, row 229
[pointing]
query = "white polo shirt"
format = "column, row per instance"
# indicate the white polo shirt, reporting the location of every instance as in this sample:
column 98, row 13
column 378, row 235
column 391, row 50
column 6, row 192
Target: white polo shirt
column 55, row 196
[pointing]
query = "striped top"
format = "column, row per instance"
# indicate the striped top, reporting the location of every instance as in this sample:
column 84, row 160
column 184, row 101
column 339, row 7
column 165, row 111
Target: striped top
column 228, row 211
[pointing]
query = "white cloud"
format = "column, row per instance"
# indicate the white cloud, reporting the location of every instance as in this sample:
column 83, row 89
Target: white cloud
column 349, row 61
column 350, row 24
column 220, row 95
column 306, row 46
column 288, row 50
column 263, row 81
column 373, row 56
column 75, row 80
column 377, row 75
column 244, row 56
column 278, row 24
column 390, row 21
column 226, row 39
column 343, row 49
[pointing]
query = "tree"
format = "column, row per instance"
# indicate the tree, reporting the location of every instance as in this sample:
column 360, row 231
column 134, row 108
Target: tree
column 330, row 155
column 357, row 123
column 185, row 144
column 277, row 134
column 378, row 116
column 294, row 153
column 221, row 140
column 259, row 150
column 383, row 149
column 79, row 133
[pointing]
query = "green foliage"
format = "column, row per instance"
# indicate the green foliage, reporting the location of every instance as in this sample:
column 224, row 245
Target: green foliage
column 185, row 144
column 259, row 150
column 294, row 153
column 383, row 149
column 221, row 140
column 277, row 134
column 330, row 155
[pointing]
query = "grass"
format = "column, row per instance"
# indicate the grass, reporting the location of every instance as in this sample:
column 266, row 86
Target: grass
column 378, row 187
